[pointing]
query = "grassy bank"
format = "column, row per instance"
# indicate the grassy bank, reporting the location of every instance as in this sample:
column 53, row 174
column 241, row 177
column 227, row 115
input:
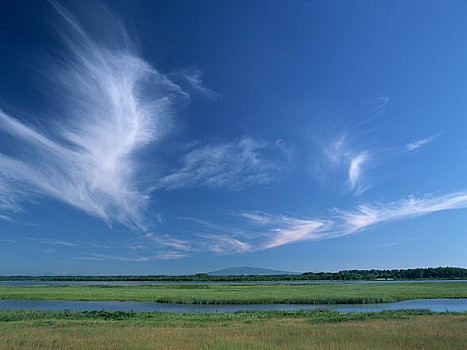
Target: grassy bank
column 318, row 329
column 244, row 293
column 198, row 319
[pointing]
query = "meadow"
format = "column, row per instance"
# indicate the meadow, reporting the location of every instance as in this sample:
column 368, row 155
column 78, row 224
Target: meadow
column 318, row 329
column 244, row 293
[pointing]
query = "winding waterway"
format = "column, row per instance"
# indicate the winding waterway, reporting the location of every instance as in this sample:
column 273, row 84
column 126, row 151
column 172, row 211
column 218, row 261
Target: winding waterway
column 438, row 305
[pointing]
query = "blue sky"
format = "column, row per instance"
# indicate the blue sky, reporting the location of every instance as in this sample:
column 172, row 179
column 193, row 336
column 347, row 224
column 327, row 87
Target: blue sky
column 158, row 137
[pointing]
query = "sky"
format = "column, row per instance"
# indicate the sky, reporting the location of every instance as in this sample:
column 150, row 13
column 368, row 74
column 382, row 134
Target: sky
column 177, row 137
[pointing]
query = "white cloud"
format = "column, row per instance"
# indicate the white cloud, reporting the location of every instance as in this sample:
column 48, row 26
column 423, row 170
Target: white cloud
column 114, row 104
column 355, row 170
column 277, row 230
column 258, row 218
column 54, row 242
column 415, row 145
column 287, row 229
column 346, row 144
column 6, row 218
column 168, row 241
column 192, row 81
column 229, row 165
column 11, row 194
column 169, row 255
column 219, row 243
column 365, row 216
column 335, row 150
column 295, row 230
column 342, row 156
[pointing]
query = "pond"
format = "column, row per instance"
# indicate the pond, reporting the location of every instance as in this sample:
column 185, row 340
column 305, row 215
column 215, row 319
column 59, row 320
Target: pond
column 438, row 305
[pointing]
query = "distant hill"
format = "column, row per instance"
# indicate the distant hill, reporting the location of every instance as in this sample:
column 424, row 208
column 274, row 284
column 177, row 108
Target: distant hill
column 247, row 270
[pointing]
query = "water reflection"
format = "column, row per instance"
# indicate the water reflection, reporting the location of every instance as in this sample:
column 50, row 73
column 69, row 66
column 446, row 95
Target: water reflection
column 439, row 305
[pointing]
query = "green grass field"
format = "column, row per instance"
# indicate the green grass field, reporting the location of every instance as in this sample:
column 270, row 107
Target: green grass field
column 318, row 329
column 244, row 293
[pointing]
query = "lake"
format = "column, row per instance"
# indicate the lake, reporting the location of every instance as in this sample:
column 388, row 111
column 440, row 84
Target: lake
column 438, row 305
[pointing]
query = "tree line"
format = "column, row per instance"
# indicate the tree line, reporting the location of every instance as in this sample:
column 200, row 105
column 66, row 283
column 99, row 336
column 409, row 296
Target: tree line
column 454, row 273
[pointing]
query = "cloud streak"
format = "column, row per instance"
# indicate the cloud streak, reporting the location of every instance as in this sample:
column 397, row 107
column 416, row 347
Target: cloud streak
column 114, row 105
column 365, row 216
column 229, row 165
column 349, row 147
column 295, row 230
column 54, row 242
column 191, row 80
column 355, row 170
column 341, row 156
column 169, row 255
column 168, row 241
column 415, row 145
column 109, row 106
column 220, row 243
column 278, row 230
column 264, row 230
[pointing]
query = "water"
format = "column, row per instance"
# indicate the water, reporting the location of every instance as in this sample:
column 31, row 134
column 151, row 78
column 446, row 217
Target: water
column 99, row 283
column 72, row 283
column 438, row 305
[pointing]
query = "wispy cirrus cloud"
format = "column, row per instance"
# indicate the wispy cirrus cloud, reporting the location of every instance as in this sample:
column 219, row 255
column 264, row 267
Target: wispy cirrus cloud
column 112, row 104
column 341, row 155
column 109, row 105
column 222, row 239
column 53, row 242
column 229, row 165
column 347, row 148
column 222, row 243
column 355, row 171
column 259, row 218
column 278, row 230
column 11, row 194
column 417, row 144
column 267, row 231
column 192, row 81
column 6, row 218
column 336, row 149
column 166, row 247
column 168, row 241
column 364, row 216
column 168, row 255
column 293, row 230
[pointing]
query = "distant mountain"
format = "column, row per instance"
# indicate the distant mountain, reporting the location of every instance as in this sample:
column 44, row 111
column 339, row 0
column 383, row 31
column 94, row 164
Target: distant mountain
column 247, row 270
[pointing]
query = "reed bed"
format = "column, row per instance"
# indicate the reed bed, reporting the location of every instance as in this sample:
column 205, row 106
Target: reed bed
column 303, row 300
column 245, row 293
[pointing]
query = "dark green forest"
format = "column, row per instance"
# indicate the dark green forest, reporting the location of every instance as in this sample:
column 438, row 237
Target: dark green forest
column 441, row 273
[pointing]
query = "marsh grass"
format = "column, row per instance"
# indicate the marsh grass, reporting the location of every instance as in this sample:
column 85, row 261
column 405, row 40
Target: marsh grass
column 284, row 300
column 317, row 329
column 244, row 293
column 151, row 318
